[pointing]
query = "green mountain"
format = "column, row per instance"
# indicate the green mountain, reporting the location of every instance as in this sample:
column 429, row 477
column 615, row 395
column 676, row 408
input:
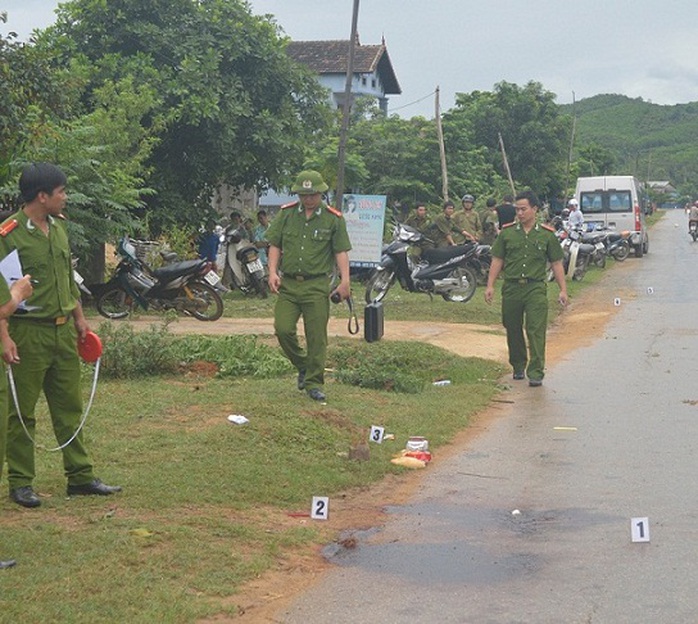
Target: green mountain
column 650, row 141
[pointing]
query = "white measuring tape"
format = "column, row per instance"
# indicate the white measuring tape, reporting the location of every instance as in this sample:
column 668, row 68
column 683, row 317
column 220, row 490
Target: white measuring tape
column 13, row 389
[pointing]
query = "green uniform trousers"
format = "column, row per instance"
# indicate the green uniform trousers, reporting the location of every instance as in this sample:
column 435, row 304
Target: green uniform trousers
column 4, row 394
column 48, row 361
column 310, row 299
column 526, row 306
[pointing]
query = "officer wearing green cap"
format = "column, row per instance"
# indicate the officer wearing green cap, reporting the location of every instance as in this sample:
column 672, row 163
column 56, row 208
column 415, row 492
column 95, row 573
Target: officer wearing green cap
column 522, row 251
column 306, row 239
column 41, row 343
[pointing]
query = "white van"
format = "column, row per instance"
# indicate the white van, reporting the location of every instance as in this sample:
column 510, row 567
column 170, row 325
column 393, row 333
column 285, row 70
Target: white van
column 614, row 202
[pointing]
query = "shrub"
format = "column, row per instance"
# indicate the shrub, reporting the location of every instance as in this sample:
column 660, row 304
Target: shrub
column 129, row 354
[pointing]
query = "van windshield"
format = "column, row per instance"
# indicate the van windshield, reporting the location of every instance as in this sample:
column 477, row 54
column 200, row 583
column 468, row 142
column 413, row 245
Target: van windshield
column 596, row 202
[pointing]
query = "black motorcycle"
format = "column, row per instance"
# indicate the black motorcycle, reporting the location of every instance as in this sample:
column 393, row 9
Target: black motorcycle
column 443, row 271
column 186, row 286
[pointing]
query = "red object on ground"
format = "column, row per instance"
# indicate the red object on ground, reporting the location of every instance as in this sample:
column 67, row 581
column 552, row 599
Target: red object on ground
column 425, row 456
column 90, row 348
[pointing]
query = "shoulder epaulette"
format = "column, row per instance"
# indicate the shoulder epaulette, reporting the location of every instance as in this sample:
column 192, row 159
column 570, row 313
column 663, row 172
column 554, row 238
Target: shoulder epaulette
column 289, row 205
column 8, row 226
column 334, row 211
column 506, row 225
column 550, row 228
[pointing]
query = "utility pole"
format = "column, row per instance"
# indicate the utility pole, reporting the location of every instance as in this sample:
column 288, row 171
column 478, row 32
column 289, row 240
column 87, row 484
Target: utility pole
column 569, row 155
column 506, row 164
column 346, row 109
column 442, row 147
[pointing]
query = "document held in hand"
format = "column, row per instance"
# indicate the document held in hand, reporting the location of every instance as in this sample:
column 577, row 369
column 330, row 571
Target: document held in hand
column 11, row 270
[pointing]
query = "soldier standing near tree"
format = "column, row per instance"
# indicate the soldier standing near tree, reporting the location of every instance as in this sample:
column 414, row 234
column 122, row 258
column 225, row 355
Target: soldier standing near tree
column 306, row 239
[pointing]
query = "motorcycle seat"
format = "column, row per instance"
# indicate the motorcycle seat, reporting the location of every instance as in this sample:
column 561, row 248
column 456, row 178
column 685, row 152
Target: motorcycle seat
column 186, row 267
column 444, row 254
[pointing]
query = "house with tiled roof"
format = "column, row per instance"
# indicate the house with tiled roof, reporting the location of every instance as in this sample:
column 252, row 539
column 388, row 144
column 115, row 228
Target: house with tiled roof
column 373, row 73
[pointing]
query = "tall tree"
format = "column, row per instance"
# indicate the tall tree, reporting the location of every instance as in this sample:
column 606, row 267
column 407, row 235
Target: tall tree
column 535, row 133
column 234, row 108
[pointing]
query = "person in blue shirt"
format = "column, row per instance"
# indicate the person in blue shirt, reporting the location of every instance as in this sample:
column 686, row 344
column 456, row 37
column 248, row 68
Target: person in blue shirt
column 259, row 235
column 208, row 243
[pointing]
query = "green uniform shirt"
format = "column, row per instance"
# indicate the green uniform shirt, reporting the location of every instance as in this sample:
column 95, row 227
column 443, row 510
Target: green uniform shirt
column 47, row 260
column 469, row 221
column 308, row 245
column 442, row 227
column 418, row 223
column 526, row 255
column 489, row 232
column 5, row 295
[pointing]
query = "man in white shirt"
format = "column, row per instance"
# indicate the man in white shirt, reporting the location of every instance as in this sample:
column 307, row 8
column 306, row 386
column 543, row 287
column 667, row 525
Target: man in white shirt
column 576, row 218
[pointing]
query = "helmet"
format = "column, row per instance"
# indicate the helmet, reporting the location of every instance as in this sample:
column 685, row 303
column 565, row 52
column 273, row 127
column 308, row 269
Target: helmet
column 467, row 198
column 573, row 202
column 309, row 182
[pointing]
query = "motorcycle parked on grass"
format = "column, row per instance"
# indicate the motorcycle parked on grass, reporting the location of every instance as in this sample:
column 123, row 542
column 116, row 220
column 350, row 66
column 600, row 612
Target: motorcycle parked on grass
column 442, row 271
column 577, row 255
column 187, row 287
column 243, row 268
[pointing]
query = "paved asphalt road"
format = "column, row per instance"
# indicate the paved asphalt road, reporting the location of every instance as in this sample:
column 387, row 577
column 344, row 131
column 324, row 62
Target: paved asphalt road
column 628, row 406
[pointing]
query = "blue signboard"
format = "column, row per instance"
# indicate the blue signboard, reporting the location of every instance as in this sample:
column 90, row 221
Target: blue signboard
column 365, row 215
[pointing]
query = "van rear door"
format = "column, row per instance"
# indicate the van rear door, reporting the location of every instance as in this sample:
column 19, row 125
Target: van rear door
column 612, row 208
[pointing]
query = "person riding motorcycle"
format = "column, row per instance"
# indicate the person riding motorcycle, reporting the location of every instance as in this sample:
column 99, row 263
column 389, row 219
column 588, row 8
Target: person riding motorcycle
column 693, row 213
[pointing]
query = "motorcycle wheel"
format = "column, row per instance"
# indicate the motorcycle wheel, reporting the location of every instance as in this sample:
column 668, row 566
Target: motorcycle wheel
column 695, row 236
column 581, row 269
column 378, row 285
column 466, row 288
column 207, row 303
column 622, row 251
column 114, row 303
column 600, row 260
column 260, row 285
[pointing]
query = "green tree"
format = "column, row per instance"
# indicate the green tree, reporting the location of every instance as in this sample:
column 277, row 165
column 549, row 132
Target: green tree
column 233, row 108
column 28, row 83
column 102, row 154
column 535, row 133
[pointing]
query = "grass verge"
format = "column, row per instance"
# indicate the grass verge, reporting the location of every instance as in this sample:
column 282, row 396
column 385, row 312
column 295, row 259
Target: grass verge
column 206, row 503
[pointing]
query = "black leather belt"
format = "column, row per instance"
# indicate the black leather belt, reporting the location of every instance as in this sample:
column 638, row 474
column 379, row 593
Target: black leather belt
column 59, row 320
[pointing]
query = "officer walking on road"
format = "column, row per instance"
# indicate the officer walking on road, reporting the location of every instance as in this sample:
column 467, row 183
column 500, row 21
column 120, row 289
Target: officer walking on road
column 521, row 252
column 306, row 239
column 41, row 343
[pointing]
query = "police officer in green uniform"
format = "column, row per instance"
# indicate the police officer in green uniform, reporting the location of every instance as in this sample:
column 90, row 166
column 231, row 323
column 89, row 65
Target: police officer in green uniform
column 9, row 300
column 521, row 252
column 490, row 225
column 306, row 239
column 41, row 343
column 419, row 219
column 444, row 231
column 468, row 219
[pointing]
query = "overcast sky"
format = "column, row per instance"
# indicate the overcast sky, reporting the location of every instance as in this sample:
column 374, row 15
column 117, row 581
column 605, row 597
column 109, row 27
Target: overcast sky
column 647, row 48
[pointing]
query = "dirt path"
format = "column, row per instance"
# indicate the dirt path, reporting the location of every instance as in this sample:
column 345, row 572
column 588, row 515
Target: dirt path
column 583, row 321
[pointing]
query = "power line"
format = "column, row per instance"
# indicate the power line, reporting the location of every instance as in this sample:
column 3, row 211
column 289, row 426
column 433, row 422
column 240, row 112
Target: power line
column 392, row 110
